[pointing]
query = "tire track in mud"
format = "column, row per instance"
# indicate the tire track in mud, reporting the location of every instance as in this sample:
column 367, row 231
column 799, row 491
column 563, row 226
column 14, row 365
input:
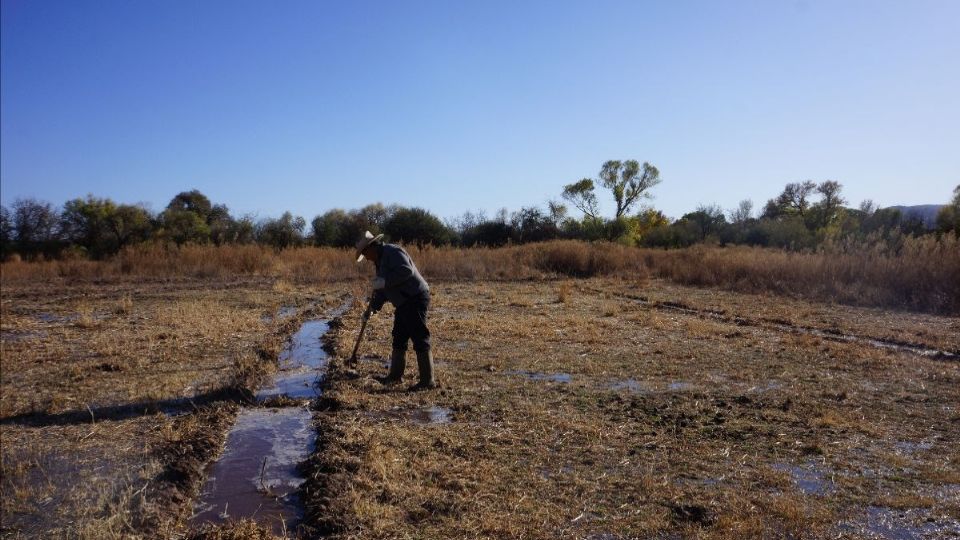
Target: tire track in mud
column 782, row 326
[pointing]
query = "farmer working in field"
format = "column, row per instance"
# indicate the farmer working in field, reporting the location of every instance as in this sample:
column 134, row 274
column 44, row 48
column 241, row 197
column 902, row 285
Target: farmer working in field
column 399, row 281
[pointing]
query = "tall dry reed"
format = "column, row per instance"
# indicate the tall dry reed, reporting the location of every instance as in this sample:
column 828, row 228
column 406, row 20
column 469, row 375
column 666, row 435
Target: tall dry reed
column 920, row 274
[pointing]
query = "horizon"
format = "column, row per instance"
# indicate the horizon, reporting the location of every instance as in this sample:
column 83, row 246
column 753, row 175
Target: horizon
column 474, row 107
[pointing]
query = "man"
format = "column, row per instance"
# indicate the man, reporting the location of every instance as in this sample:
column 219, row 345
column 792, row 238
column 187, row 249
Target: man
column 399, row 281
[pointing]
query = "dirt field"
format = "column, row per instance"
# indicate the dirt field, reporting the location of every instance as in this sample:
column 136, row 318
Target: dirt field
column 576, row 409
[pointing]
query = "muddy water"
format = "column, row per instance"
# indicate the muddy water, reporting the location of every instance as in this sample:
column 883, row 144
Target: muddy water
column 299, row 365
column 421, row 415
column 256, row 477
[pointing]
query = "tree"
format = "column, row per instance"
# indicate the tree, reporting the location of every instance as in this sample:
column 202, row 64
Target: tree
column 187, row 218
column 416, row 226
column 34, row 225
column 191, row 201
column 826, row 211
column 222, row 227
column 705, row 220
column 581, row 195
column 948, row 218
column 530, row 224
column 283, row 232
column 742, row 213
column 129, row 224
column 795, row 199
column 628, row 181
column 830, row 190
column 85, row 222
column 6, row 232
column 184, row 226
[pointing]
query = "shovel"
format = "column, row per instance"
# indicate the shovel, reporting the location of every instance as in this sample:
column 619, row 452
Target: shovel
column 363, row 327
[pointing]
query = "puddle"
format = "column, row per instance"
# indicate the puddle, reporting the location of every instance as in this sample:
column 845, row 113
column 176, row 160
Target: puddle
column 421, row 415
column 766, row 386
column 536, row 376
column 912, row 447
column 53, row 318
column 256, row 477
column 810, row 479
column 27, row 335
column 909, row 524
column 630, row 385
column 680, row 386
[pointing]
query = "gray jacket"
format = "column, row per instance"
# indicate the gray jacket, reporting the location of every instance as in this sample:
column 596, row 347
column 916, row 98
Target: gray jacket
column 403, row 280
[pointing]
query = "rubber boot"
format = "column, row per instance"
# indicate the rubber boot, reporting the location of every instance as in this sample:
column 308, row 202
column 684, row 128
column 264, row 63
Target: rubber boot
column 425, row 366
column 398, row 362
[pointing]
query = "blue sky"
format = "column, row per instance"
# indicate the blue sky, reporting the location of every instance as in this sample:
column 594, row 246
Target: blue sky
column 454, row 106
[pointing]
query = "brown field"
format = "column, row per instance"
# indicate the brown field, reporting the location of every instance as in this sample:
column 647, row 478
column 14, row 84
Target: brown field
column 604, row 407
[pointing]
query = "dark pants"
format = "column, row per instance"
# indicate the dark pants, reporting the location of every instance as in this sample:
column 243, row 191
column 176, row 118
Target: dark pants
column 410, row 323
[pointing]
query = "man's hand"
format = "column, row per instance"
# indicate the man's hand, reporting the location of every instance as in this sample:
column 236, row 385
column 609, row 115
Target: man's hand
column 378, row 283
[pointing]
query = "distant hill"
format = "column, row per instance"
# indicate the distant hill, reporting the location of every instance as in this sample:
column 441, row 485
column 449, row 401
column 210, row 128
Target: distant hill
column 927, row 213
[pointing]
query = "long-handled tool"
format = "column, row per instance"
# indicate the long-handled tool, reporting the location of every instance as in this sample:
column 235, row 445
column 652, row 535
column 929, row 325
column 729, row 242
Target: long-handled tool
column 363, row 328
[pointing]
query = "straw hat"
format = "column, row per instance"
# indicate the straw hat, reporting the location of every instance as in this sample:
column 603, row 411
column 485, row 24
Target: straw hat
column 368, row 238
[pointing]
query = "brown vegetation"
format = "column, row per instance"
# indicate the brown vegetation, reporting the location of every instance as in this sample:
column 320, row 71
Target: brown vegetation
column 605, row 417
column 113, row 398
column 922, row 274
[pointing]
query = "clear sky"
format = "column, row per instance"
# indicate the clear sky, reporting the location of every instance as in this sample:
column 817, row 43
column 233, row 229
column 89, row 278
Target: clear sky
column 457, row 105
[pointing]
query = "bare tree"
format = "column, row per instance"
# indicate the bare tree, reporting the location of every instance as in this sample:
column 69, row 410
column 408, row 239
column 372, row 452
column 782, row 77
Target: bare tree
column 830, row 190
column 742, row 212
column 796, row 196
column 34, row 221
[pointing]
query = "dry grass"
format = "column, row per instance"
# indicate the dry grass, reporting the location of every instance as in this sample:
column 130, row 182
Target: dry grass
column 923, row 275
column 670, row 424
column 114, row 398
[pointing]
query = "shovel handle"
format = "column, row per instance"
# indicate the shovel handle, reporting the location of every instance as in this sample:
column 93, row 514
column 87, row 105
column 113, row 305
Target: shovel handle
column 363, row 327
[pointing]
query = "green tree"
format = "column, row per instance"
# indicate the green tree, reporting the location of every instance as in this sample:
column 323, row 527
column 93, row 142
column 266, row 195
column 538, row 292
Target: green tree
column 581, row 195
column 336, row 228
column 186, row 218
column 793, row 200
column 85, row 222
column 185, row 227
column 628, row 181
column 191, row 201
column 705, row 221
column 284, row 232
column 948, row 218
column 129, row 224
column 417, row 226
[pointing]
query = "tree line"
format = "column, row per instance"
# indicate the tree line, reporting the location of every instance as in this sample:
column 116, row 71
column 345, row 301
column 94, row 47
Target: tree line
column 804, row 215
